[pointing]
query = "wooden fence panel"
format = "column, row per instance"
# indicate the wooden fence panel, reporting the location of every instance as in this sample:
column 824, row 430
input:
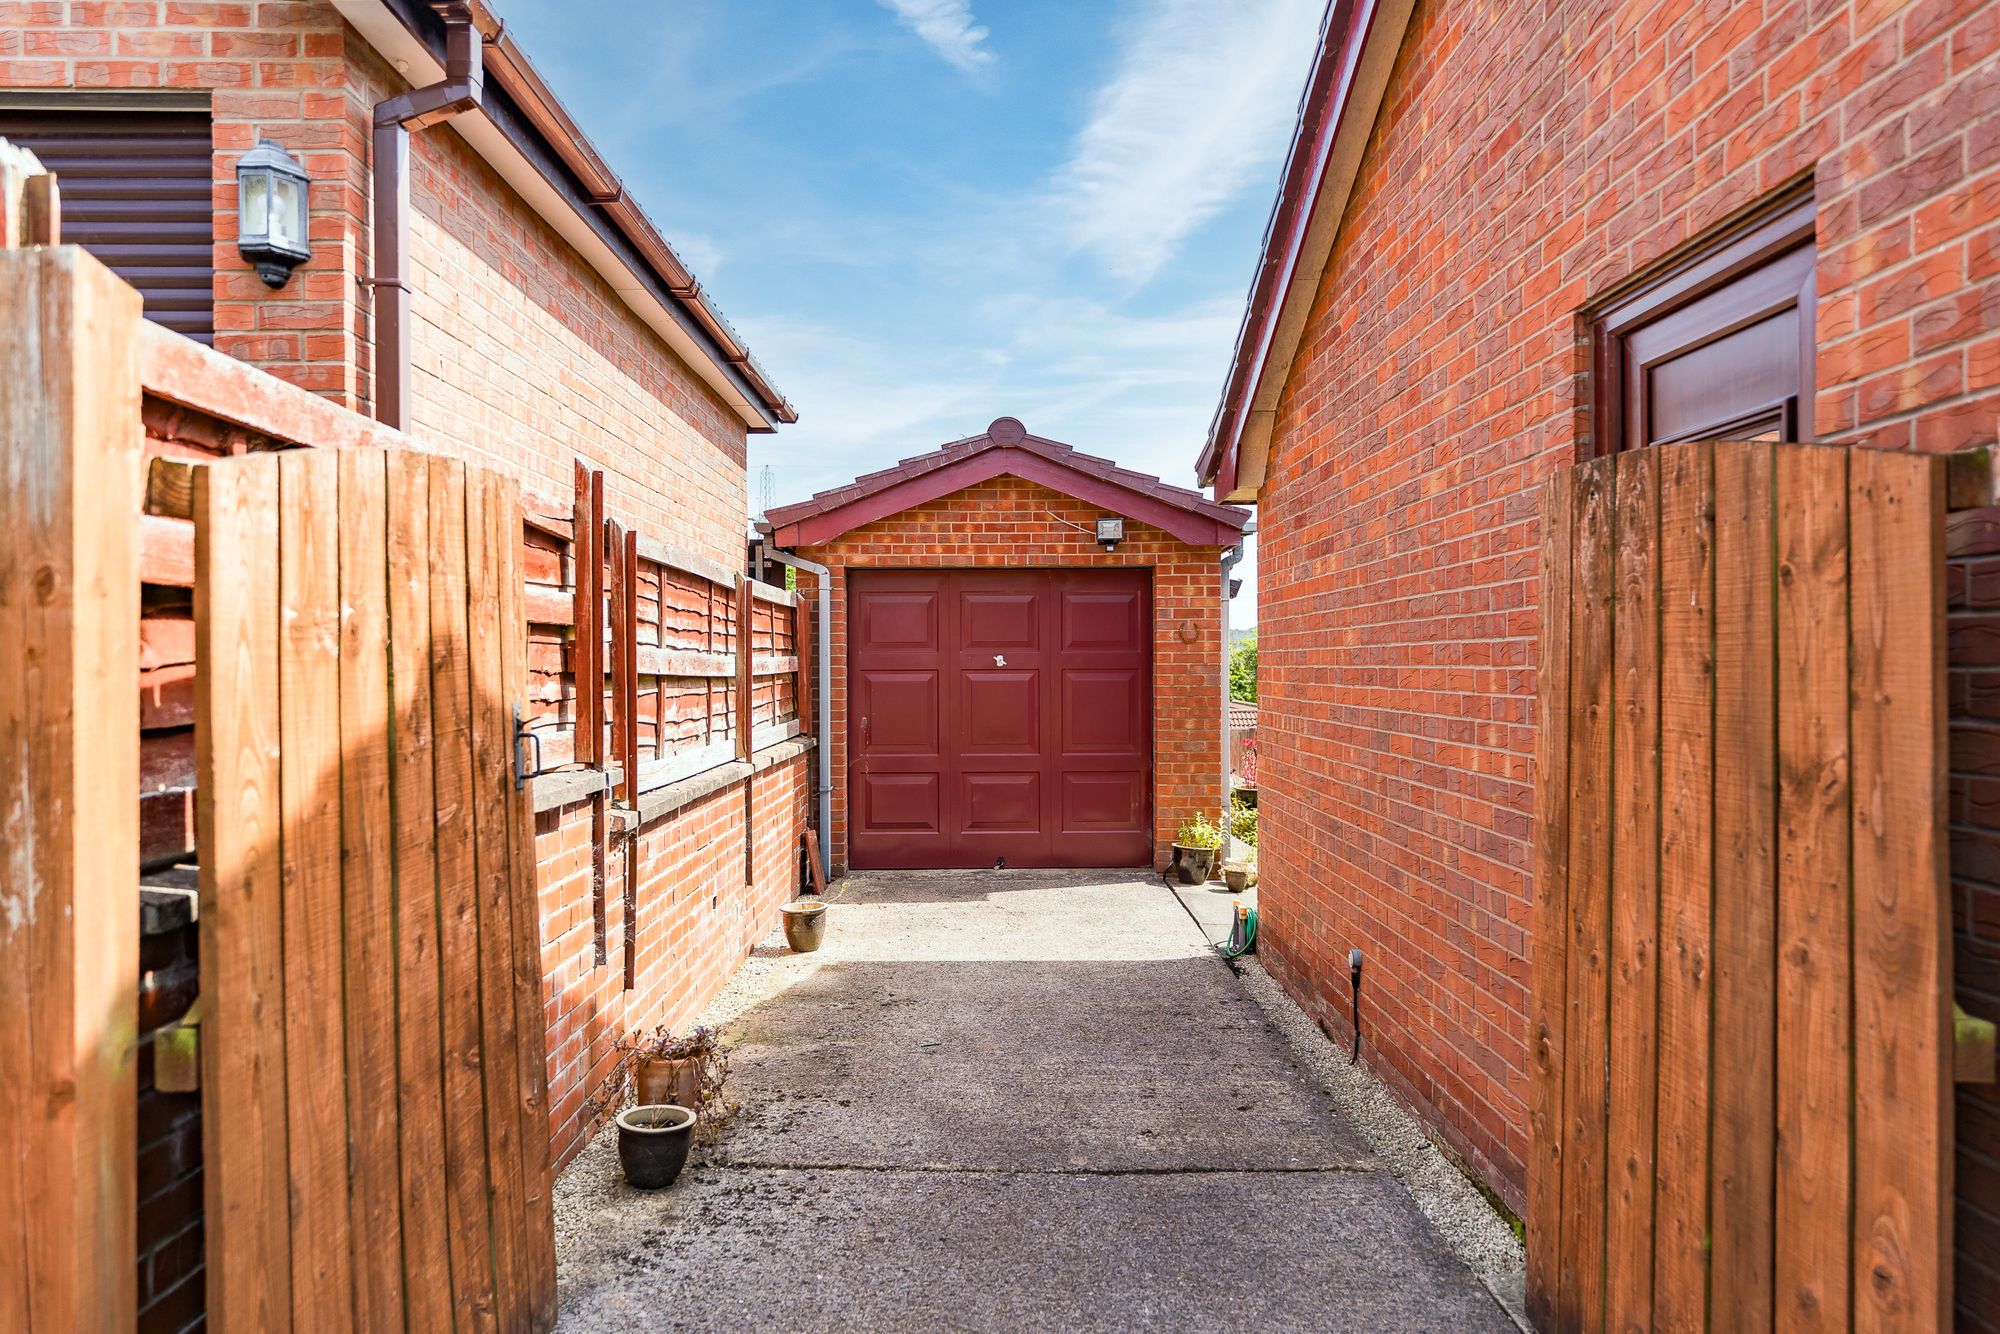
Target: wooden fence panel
column 1902, row 941
column 376, row 1152
column 1687, row 702
column 69, row 728
column 1740, row 1110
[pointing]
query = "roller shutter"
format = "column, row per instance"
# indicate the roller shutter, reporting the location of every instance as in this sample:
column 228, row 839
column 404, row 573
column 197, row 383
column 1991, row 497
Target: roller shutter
column 135, row 193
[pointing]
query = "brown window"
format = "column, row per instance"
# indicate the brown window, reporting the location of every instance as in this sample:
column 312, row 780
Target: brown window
column 134, row 176
column 1716, row 346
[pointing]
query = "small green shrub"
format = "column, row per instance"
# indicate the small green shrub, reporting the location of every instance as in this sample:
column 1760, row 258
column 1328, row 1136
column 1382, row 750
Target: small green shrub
column 1197, row 832
column 1243, row 821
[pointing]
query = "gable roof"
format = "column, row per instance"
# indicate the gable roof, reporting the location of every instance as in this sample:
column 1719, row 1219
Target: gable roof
column 529, row 138
column 1358, row 43
column 1006, row 448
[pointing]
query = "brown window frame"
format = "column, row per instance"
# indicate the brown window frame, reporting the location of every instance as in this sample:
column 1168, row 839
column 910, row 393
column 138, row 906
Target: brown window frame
column 1764, row 239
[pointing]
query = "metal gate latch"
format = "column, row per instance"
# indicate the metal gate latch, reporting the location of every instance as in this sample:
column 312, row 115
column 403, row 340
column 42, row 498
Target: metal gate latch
column 524, row 737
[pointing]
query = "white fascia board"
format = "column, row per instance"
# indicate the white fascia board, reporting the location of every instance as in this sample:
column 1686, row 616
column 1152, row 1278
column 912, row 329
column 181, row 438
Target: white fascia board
column 381, row 29
column 1336, row 183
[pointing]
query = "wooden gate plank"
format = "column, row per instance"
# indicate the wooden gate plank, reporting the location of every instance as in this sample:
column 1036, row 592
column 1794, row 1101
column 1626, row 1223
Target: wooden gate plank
column 1744, row 1124
column 1687, row 702
column 492, row 787
column 1591, row 781
column 1902, row 960
column 1635, row 891
column 466, row 1181
column 369, row 904
column 538, row 1278
column 246, row 1164
column 309, row 780
column 1813, row 1023
column 1548, row 998
column 427, row 1267
column 69, row 755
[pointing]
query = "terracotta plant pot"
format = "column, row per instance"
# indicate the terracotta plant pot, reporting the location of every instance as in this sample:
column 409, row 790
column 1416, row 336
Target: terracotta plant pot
column 1193, row 865
column 668, row 1082
column 805, row 924
column 653, row 1144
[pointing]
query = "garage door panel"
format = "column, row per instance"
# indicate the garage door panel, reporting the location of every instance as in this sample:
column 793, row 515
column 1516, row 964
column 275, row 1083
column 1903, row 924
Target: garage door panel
column 1103, row 802
column 994, row 621
column 893, row 619
column 1000, row 713
column 1102, row 712
column 901, row 803
column 901, row 712
column 1002, row 803
column 1107, row 621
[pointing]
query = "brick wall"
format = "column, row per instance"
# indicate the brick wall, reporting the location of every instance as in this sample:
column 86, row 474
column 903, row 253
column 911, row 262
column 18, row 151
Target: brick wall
column 273, row 70
column 170, row 1286
column 523, row 355
column 1529, row 157
column 701, row 908
column 1007, row 521
column 1973, row 594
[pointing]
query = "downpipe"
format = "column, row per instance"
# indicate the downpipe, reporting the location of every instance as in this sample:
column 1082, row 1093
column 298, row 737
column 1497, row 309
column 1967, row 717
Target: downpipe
column 462, row 89
column 822, row 578
column 1230, row 560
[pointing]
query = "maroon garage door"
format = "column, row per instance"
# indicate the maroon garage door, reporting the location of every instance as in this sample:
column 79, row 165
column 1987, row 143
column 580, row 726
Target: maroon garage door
column 1000, row 713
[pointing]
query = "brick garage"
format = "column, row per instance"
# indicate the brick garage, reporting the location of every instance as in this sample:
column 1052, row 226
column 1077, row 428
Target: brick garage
column 1456, row 210
column 1009, row 500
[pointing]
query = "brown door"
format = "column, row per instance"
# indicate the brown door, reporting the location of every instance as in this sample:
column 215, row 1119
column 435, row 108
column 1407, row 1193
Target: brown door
column 1717, row 347
column 1000, row 714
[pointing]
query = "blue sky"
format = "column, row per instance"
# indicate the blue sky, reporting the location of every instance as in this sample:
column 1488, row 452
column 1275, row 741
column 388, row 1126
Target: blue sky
column 925, row 214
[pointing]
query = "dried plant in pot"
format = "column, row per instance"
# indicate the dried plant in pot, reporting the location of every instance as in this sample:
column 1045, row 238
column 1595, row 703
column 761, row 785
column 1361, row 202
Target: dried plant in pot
column 662, row 1070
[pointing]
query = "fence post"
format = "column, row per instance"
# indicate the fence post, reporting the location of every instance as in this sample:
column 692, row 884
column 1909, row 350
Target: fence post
column 70, row 484
column 746, row 665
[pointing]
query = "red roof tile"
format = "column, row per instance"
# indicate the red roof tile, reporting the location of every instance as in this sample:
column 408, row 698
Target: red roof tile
column 1007, row 447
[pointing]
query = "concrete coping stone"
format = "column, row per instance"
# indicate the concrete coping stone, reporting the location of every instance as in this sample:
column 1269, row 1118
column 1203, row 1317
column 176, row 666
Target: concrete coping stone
column 565, row 787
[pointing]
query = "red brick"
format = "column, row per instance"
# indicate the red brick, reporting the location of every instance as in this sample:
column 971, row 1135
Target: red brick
column 1437, row 384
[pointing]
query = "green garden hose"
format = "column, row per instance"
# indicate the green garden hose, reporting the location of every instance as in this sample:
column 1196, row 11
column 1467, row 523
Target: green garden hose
column 1242, row 934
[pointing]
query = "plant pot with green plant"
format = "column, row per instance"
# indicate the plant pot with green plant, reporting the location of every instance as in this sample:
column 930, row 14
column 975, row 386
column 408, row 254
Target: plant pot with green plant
column 1194, row 850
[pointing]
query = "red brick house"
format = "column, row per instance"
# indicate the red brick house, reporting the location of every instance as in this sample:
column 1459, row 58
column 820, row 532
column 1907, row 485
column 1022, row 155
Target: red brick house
column 1513, row 238
column 479, row 277
column 1006, row 683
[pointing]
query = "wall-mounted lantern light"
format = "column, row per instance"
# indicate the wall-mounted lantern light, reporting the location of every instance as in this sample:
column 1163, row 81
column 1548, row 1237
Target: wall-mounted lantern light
column 271, row 212
column 1110, row 532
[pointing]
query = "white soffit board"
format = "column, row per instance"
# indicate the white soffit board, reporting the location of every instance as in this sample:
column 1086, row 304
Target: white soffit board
column 382, row 30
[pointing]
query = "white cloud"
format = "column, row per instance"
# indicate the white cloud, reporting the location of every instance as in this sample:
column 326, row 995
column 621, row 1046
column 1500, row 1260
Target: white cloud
column 1200, row 105
column 948, row 26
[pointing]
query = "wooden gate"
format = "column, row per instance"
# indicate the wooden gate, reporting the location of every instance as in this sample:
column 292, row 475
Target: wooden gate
column 374, row 1090
column 1741, row 1101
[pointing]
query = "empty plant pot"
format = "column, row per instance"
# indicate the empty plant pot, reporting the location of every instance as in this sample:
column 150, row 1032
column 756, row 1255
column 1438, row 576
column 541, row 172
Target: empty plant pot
column 805, row 925
column 1236, row 875
column 662, row 1082
column 653, row 1144
column 1193, row 865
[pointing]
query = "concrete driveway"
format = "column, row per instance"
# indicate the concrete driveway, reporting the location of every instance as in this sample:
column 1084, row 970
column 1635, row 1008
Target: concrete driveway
column 1025, row 1100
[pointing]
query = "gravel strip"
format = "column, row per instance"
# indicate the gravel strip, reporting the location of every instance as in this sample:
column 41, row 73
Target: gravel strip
column 1471, row 1227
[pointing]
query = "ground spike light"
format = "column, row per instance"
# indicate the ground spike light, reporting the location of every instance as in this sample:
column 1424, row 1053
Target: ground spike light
column 271, row 218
